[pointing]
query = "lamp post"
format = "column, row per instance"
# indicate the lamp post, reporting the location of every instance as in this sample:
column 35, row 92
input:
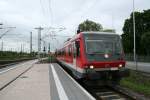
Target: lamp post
column 135, row 58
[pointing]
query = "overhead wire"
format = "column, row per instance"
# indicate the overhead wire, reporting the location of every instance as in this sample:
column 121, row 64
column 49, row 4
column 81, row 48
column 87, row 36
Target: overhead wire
column 50, row 11
column 43, row 10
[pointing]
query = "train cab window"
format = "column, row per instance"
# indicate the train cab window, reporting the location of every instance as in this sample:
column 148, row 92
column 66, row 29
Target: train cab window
column 78, row 52
column 63, row 52
column 77, row 43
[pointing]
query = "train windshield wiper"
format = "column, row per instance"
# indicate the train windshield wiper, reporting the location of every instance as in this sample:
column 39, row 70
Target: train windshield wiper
column 95, row 52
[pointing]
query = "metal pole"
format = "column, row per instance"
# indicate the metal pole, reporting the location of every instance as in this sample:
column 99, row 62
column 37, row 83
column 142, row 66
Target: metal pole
column 2, row 46
column 49, row 49
column 44, row 48
column 30, row 42
column 39, row 41
column 21, row 48
column 135, row 60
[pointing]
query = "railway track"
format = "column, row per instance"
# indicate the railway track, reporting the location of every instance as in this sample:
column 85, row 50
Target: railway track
column 107, row 94
column 109, row 91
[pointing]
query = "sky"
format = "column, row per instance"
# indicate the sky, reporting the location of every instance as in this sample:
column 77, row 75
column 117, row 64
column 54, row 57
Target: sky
column 52, row 15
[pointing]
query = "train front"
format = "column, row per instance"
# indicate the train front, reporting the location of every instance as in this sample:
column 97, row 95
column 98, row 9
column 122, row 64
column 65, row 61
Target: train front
column 104, row 56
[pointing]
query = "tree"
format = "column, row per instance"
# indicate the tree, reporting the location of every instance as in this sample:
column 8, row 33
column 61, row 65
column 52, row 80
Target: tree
column 142, row 22
column 146, row 42
column 90, row 26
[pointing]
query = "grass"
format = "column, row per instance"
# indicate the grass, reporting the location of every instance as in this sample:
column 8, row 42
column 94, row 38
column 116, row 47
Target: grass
column 137, row 82
column 11, row 55
column 14, row 57
column 51, row 59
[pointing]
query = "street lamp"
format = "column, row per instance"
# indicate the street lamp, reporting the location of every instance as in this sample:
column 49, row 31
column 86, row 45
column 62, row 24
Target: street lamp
column 135, row 60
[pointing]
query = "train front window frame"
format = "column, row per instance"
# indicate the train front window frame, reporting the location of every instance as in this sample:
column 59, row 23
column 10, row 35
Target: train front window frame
column 99, row 47
column 114, row 40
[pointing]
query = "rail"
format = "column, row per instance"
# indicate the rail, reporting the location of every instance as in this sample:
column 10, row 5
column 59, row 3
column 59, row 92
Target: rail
column 109, row 91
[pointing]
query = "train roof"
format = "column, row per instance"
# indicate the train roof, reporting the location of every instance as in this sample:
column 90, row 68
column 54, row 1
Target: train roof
column 95, row 32
column 87, row 32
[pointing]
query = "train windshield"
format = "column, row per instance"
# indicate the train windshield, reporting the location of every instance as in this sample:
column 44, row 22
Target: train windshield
column 96, row 44
column 99, row 46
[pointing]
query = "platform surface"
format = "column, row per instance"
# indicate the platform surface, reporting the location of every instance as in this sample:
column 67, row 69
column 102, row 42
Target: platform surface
column 33, row 85
column 44, row 82
column 11, row 72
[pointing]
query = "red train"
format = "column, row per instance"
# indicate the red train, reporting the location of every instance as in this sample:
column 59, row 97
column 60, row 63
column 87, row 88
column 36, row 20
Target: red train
column 94, row 55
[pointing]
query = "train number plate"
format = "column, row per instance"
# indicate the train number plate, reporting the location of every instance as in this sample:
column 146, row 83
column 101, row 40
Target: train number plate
column 114, row 68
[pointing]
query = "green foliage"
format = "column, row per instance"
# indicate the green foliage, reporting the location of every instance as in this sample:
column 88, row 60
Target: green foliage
column 90, row 26
column 10, row 55
column 137, row 82
column 145, row 40
column 142, row 22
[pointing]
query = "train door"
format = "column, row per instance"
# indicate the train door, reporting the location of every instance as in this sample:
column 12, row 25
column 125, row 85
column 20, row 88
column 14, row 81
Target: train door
column 74, row 55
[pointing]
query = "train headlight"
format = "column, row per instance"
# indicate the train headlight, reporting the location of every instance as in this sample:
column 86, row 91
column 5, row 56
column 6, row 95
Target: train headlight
column 106, row 56
column 120, row 65
column 91, row 67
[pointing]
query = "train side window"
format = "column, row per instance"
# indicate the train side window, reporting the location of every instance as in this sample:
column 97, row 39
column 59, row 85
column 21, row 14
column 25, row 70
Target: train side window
column 63, row 52
column 74, row 50
column 78, row 51
column 77, row 43
column 69, row 50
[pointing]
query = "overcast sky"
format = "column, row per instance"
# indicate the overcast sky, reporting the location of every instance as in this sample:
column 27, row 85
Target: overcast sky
column 25, row 15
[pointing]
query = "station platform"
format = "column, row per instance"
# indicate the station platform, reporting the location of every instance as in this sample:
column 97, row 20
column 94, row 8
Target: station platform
column 45, row 82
